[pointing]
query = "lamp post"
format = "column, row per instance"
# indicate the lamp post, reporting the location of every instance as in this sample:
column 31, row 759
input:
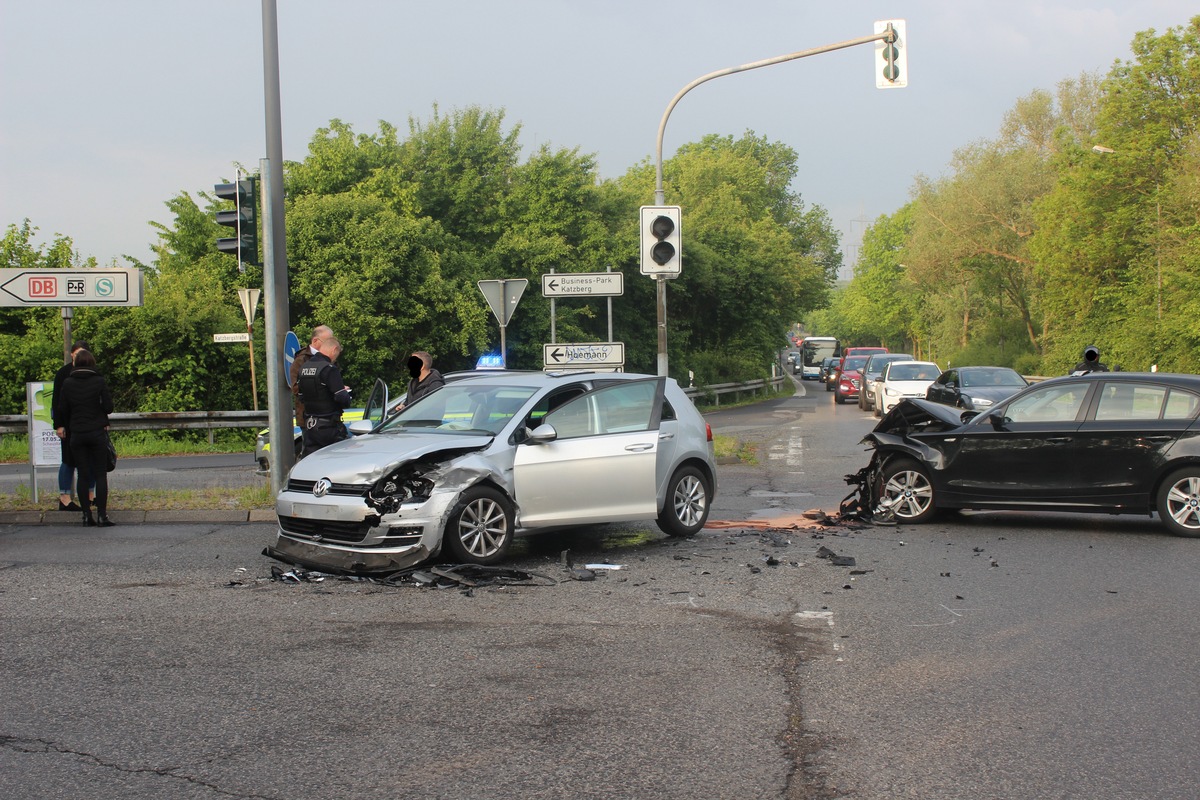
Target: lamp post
column 888, row 35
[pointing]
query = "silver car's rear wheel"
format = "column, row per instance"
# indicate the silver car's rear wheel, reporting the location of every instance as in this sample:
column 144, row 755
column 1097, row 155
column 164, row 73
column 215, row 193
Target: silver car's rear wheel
column 686, row 509
column 480, row 528
column 1179, row 502
column 906, row 489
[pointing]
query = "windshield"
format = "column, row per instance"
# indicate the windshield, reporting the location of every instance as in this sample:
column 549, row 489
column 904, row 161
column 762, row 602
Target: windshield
column 914, row 372
column 854, row 363
column 1000, row 376
column 460, row 407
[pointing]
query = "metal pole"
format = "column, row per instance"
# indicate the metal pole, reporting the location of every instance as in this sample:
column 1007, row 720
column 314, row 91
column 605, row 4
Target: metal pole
column 253, row 379
column 67, row 313
column 275, row 271
column 610, row 338
column 552, row 316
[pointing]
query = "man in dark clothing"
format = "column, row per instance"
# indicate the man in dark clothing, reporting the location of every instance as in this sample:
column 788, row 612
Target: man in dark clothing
column 319, row 334
column 86, row 404
column 424, row 378
column 324, row 395
column 66, row 468
column 1091, row 361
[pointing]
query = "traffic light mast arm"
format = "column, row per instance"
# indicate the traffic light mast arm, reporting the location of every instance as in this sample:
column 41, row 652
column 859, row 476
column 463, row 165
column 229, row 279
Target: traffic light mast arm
column 888, row 35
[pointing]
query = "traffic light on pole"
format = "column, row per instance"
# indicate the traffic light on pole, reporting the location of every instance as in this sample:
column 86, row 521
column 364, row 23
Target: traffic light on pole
column 891, row 57
column 662, row 253
column 243, row 218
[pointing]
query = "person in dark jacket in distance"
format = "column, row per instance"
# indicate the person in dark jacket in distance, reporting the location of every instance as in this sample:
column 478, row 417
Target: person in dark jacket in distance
column 424, row 378
column 1091, row 361
column 66, row 469
column 324, row 395
column 86, row 404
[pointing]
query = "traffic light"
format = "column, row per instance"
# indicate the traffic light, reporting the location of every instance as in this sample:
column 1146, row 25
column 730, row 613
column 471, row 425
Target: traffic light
column 891, row 57
column 661, row 250
column 243, row 219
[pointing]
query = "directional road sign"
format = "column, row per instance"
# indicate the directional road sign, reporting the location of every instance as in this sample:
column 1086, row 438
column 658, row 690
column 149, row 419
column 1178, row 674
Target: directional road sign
column 591, row 354
column 70, row 287
column 576, row 284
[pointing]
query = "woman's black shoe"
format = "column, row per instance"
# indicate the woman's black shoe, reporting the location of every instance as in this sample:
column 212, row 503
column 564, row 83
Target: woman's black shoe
column 104, row 522
column 71, row 506
column 88, row 522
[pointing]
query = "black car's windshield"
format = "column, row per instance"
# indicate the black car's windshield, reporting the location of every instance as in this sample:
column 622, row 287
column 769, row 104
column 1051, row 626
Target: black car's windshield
column 461, row 407
column 1001, row 376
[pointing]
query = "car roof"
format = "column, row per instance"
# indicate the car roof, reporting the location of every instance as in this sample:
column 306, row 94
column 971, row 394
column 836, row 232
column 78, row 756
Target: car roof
column 1181, row 380
column 537, row 377
column 914, row 361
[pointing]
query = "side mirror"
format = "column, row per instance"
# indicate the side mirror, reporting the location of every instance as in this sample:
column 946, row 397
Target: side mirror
column 542, row 434
column 361, row 426
column 997, row 419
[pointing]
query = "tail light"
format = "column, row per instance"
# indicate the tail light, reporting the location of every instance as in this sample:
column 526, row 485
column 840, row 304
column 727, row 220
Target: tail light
column 708, row 431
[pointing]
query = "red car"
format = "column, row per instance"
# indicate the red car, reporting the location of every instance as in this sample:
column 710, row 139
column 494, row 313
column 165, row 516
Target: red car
column 849, row 381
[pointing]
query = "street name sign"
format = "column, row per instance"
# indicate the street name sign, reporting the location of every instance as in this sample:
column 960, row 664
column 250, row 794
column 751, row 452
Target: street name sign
column 231, row 337
column 577, row 284
column 586, row 355
column 70, row 287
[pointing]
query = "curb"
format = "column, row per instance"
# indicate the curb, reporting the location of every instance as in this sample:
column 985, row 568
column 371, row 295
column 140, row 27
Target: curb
column 139, row 517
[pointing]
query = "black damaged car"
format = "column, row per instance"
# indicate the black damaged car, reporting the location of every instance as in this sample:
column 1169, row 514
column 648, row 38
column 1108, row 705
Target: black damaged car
column 1104, row 442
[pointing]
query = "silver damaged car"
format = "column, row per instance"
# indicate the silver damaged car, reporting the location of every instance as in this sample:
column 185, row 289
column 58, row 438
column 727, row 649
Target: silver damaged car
column 462, row 470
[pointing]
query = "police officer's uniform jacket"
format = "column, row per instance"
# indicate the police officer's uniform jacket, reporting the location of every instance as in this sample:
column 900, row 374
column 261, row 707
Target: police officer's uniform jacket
column 324, row 395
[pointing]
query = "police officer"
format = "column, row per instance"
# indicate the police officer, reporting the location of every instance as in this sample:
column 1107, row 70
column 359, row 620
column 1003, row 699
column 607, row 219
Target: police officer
column 324, row 395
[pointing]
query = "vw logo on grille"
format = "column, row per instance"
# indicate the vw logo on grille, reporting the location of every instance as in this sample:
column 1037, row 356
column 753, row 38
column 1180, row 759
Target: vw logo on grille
column 322, row 487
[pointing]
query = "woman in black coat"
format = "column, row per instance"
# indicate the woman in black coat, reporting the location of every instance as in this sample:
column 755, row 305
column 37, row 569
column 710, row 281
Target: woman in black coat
column 86, row 404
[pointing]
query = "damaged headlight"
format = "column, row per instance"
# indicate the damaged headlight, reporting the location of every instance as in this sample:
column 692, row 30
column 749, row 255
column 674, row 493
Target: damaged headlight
column 405, row 484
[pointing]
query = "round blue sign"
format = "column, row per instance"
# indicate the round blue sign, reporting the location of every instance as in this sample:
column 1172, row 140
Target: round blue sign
column 291, row 346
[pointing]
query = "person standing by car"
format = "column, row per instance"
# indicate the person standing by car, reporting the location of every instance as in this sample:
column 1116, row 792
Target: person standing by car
column 319, row 334
column 1091, row 361
column 424, row 378
column 86, row 404
column 324, row 395
column 66, row 468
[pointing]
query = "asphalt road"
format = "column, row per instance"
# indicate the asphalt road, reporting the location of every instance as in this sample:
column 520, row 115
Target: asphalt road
column 986, row 656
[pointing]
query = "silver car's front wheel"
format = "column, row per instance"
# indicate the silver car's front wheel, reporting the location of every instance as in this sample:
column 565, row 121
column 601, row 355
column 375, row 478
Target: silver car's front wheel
column 480, row 529
column 905, row 488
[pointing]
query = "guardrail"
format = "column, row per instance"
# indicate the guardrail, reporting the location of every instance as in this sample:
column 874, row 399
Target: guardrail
column 214, row 420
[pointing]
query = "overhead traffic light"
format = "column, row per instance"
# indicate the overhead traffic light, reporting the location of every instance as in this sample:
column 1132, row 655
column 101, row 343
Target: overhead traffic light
column 243, row 219
column 891, row 55
column 662, row 253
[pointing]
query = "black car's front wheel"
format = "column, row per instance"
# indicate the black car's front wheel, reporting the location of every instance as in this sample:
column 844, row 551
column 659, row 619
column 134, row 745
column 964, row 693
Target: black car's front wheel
column 686, row 508
column 1179, row 502
column 480, row 528
column 904, row 486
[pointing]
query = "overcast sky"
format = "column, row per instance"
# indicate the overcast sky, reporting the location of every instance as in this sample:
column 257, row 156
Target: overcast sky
column 108, row 108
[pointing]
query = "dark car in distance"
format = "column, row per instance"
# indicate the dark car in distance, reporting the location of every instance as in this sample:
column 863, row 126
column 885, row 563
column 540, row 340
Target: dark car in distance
column 829, row 371
column 1103, row 442
column 975, row 388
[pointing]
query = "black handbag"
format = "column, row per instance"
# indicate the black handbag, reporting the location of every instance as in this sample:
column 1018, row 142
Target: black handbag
column 112, row 453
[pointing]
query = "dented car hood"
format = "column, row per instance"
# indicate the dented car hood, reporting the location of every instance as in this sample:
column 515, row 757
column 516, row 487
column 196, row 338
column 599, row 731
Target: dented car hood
column 913, row 415
column 364, row 459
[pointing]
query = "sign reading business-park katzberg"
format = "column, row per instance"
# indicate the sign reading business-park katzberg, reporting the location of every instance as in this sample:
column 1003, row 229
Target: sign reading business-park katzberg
column 590, row 355
column 583, row 284
column 70, row 287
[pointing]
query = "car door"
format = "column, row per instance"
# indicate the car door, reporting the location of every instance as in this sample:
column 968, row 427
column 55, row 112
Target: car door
column 942, row 390
column 1122, row 444
column 377, row 403
column 600, row 465
column 1021, row 453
